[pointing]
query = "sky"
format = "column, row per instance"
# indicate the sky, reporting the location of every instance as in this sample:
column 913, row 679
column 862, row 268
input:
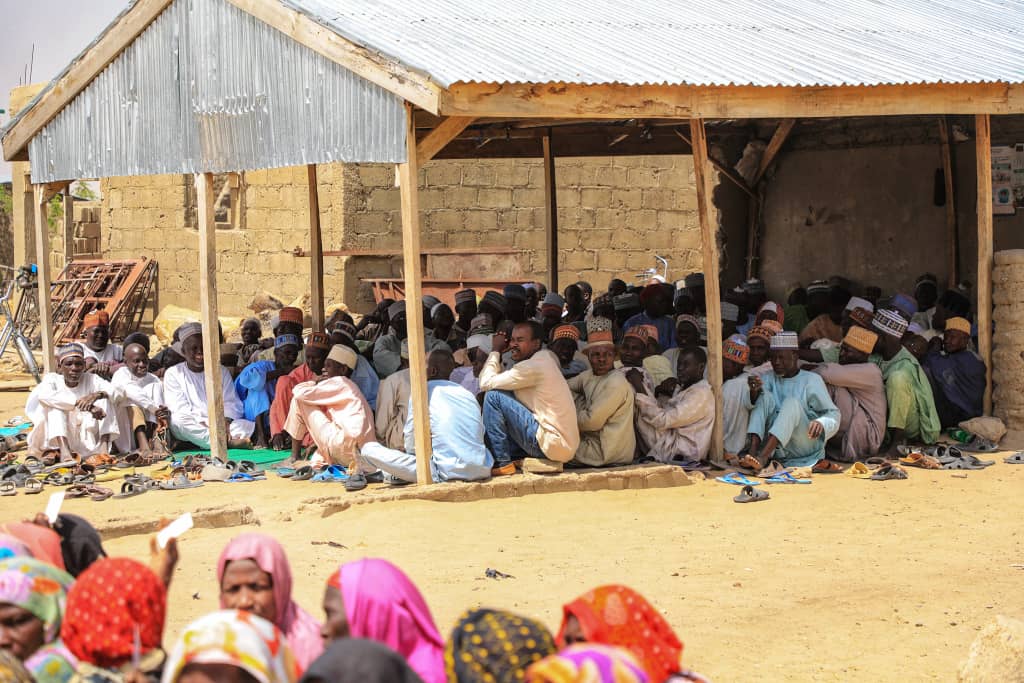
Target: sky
column 60, row 29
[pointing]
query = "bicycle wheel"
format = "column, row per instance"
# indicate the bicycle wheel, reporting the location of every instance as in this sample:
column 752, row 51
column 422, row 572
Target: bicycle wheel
column 27, row 359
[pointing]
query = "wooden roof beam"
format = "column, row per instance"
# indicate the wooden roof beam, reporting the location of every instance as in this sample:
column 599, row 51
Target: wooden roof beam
column 436, row 140
column 774, row 145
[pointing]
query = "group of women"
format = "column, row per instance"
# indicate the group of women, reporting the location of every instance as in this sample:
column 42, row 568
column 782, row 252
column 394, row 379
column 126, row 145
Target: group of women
column 69, row 613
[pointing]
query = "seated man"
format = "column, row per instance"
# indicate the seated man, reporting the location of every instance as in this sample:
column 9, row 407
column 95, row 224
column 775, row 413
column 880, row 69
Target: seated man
column 289, row 321
column 316, row 353
column 759, row 342
column 185, row 394
column 855, row 386
column 957, row 375
column 142, row 406
column 363, row 374
column 638, row 352
column 101, row 357
column 393, row 403
column 687, row 335
column 793, row 415
column 528, row 409
column 565, row 345
column 828, row 325
column 465, row 310
column 251, row 331
column 736, row 403
column 387, row 349
column 72, row 411
column 257, row 384
column 908, row 394
column 550, row 315
column 657, row 302
column 604, row 403
column 456, row 433
column 331, row 411
column 675, row 423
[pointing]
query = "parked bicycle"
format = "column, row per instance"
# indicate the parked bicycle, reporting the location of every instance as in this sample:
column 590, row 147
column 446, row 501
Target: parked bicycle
column 21, row 278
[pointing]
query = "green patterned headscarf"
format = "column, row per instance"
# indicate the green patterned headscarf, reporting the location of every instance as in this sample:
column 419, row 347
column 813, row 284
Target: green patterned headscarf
column 36, row 587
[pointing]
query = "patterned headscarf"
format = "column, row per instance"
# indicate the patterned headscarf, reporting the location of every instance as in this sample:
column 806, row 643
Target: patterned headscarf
column 488, row 645
column 588, row 663
column 43, row 543
column 236, row 638
column 108, row 601
column 382, row 604
column 41, row 589
column 12, row 547
column 617, row 615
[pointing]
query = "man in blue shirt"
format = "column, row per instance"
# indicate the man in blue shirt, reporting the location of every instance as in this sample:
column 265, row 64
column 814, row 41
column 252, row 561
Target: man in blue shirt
column 456, row 428
column 657, row 302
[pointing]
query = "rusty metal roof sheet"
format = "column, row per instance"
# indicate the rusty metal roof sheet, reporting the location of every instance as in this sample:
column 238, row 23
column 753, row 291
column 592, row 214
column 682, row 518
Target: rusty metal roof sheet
column 695, row 42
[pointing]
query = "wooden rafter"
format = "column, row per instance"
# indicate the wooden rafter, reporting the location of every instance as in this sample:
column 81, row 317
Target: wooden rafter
column 727, row 172
column 446, row 131
column 772, row 150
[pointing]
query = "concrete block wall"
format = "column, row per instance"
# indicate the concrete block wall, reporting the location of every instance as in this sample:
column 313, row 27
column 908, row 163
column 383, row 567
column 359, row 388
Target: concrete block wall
column 614, row 215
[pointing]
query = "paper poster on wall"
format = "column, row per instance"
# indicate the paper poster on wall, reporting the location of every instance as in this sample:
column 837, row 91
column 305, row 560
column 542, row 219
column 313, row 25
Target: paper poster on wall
column 1003, row 160
column 1018, row 175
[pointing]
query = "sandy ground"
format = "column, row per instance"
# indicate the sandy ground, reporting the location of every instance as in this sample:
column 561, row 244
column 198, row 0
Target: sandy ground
column 843, row 579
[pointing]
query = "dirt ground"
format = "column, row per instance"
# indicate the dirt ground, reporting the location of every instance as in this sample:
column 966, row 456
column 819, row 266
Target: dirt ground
column 843, row 579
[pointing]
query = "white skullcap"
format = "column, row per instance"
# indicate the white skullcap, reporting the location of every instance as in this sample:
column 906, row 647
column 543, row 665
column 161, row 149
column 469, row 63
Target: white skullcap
column 344, row 355
column 857, row 302
column 479, row 341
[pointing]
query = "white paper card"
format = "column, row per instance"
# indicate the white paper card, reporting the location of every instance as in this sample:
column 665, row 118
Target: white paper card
column 53, row 507
column 174, row 530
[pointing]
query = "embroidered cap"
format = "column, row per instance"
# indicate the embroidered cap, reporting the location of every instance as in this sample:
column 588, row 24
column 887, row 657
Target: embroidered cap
column 565, row 332
column 959, row 324
column 785, row 341
column 861, row 339
column 286, row 339
column 736, row 350
column 890, row 323
column 730, row 311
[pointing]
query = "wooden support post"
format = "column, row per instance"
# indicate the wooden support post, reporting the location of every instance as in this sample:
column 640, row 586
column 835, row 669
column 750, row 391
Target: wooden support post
column 69, row 226
column 408, row 180
column 44, row 277
column 952, row 234
column 316, row 252
column 550, row 213
column 983, row 146
column 208, row 315
column 704, row 176
column 772, row 150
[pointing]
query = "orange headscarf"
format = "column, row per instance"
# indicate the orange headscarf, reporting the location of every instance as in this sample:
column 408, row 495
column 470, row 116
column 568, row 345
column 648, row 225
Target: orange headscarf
column 619, row 616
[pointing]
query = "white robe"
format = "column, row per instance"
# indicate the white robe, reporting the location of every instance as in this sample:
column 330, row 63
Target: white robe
column 51, row 407
column 185, row 396
column 146, row 392
column 111, row 353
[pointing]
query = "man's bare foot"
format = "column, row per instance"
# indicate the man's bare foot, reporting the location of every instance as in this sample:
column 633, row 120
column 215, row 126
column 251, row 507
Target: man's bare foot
column 261, row 445
column 750, row 462
column 279, row 442
column 241, row 444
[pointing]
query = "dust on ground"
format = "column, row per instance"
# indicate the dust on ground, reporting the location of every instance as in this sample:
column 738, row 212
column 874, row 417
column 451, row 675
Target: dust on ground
column 843, row 579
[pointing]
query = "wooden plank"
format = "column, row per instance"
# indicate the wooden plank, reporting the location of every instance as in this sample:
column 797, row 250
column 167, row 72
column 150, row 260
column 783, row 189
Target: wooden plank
column 617, row 101
column 208, row 314
column 704, row 176
column 82, row 72
column 772, row 150
column 550, row 213
column 727, row 172
column 44, row 277
column 408, row 180
column 983, row 152
column 69, row 226
column 425, row 251
column 952, row 234
column 316, row 250
column 411, row 85
column 441, row 135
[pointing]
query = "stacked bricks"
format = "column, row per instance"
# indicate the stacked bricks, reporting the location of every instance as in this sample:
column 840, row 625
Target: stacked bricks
column 1008, row 340
column 86, row 229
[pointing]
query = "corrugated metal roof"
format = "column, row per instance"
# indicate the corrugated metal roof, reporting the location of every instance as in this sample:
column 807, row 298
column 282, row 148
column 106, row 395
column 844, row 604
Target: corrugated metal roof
column 695, row 42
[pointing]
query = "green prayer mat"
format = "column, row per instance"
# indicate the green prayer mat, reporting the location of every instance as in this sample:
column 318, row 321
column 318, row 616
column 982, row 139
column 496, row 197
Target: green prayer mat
column 263, row 458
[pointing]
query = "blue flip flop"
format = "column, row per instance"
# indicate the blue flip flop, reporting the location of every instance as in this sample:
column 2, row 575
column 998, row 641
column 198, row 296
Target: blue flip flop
column 332, row 473
column 238, row 477
column 737, row 479
column 786, row 478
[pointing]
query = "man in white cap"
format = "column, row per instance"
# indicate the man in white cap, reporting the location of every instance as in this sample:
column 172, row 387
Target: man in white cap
column 912, row 414
column 604, row 403
column 478, row 346
column 456, row 434
column 332, row 410
column 793, row 415
column 72, row 411
column 185, row 395
column 393, row 402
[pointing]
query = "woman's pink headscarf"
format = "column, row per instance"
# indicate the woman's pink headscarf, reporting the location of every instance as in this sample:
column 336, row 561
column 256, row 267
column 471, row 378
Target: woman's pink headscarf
column 299, row 627
column 43, row 543
column 382, row 604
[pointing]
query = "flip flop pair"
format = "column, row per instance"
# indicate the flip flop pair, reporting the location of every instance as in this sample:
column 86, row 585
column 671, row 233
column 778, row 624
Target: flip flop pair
column 826, row 467
column 737, row 479
column 889, row 472
column 786, row 477
column 916, row 459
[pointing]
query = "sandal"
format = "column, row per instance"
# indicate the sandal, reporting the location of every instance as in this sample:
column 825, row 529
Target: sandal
column 99, row 493
column 771, row 469
column 826, row 466
column 859, row 471
column 1015, row 459
column 304, row 473
column 76, row 491
column 751, row 495
column 889, row 472
column 737, row 479
column 33, row 486
column 179, row 482
column 130, row 489
column 7, row 488
column 921, row 460
column 331, row 473
column 786, row 478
